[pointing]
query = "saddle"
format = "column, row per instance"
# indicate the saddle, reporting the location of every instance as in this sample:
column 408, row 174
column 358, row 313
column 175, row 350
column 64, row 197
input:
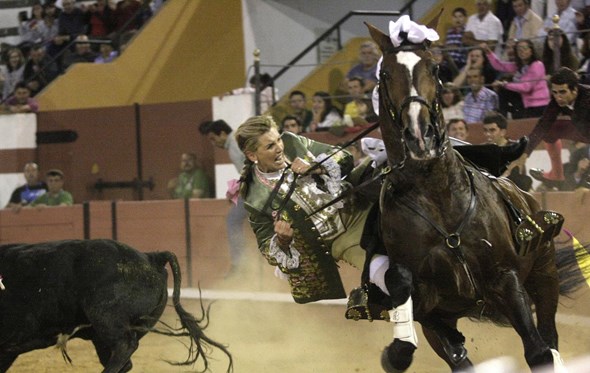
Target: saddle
column 529, row 231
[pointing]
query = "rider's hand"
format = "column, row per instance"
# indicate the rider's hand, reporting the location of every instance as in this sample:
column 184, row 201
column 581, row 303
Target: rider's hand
column 284, row 233
column 301, row 166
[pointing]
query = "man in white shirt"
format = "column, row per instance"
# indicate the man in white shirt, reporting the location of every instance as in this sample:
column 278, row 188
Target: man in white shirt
column 484, row 27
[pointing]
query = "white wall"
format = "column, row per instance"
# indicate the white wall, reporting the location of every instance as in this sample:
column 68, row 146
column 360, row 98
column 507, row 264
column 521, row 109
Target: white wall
column 281, row 29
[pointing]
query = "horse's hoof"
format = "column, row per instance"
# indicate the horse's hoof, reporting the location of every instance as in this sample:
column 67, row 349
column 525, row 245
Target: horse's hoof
column 397, row 357
column 456, row 351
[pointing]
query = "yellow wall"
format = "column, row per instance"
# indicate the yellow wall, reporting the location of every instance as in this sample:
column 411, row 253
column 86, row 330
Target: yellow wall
column 191, row 50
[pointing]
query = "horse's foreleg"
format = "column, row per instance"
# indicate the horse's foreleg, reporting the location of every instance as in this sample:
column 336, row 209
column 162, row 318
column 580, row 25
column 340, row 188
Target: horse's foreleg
column 510, row 298
column 397, row 357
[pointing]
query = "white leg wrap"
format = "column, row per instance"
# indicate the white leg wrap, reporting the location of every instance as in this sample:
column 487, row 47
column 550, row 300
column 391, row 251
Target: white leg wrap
column 403, row 323
column 379, row 265
column 558, row 366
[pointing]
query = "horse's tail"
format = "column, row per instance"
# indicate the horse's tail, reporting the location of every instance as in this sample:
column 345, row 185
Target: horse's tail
column 573, row 266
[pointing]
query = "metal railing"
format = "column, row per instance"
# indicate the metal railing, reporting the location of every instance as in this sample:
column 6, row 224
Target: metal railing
column 336, row 27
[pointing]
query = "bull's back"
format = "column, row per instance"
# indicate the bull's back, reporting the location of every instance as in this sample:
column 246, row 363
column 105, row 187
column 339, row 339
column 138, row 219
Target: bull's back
column 58, row 284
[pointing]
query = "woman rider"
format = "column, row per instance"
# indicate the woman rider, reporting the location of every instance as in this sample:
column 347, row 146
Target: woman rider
column 305, row 247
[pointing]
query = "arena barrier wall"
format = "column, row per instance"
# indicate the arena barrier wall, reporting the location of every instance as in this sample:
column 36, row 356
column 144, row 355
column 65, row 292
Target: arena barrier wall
column 202, row 249
column 194, row 230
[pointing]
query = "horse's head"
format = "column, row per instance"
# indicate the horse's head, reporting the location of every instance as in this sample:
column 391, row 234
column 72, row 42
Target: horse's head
column 409, row 91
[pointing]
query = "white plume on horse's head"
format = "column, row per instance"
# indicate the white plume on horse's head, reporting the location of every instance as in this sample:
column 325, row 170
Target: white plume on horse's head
column 399, row 31
column 406, row 29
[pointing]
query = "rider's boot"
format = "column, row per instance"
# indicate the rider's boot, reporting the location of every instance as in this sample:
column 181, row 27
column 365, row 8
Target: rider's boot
column 371, row 301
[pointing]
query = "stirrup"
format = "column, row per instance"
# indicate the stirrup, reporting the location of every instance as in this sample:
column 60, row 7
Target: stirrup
column 402, row 318
column 368, row 302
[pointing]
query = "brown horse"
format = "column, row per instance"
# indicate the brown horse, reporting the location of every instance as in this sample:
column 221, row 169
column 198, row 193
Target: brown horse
column 450, row 229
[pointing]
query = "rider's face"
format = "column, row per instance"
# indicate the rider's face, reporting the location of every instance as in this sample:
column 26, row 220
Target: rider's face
column 269, row 154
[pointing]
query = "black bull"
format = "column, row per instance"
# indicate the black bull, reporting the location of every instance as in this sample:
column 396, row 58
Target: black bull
column 103, row 290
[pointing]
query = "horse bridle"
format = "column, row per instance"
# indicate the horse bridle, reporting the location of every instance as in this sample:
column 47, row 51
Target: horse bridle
column 395, row 116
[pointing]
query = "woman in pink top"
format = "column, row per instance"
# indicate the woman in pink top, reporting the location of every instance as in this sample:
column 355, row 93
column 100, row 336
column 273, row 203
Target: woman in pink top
column 528, row 81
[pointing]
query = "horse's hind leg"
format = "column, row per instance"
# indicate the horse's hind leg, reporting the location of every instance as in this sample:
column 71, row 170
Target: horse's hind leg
column 510, row 298
column 447, row 342
column 543, row 288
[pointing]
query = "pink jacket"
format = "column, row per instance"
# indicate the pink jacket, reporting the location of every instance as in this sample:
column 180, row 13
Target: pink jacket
column 532, row 85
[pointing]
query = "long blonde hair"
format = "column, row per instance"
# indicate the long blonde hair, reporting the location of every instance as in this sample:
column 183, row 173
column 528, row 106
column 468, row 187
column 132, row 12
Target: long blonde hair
column 247, row 136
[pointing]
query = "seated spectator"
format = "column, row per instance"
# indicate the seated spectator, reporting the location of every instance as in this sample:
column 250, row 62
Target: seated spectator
column 72, row 21
column 21, row 101
column 82, row 53
column 27, row 193
column 56, row 195
column 15, row 68
column 527, row 95
column 101, row 19
column 126, row 15
column 454, row 40
column 577, row 170
column 39, row 70
column 29, row 27
column 525, row 25
column 567, row 57
column 480, row 99
column 192, row 182
column 452, row 102
column 298, row 105
column 495, row 126
column 325, row 114
column 291, row 124
column 457, row 129
column 476, row 57
column 484, row 27
column 107, row 52
column 48, row 30
column 369, row 56
column 447, row 70
column 360, row 109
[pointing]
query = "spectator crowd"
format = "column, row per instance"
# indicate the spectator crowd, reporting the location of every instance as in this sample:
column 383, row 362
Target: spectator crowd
column 57, row 34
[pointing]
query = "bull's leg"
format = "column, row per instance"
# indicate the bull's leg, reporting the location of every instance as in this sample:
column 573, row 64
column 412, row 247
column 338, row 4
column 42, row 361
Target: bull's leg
column 104, row 355
column 510, row 298
column 119, row 353
column 6, row 361
column 397, row 357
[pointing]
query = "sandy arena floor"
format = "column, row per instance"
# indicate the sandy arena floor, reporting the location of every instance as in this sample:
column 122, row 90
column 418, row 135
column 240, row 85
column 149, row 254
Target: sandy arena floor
column 277, row 335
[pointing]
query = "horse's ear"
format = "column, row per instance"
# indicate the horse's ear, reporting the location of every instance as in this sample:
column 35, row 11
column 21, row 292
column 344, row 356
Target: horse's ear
column 382, row 40
column 434, row 23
